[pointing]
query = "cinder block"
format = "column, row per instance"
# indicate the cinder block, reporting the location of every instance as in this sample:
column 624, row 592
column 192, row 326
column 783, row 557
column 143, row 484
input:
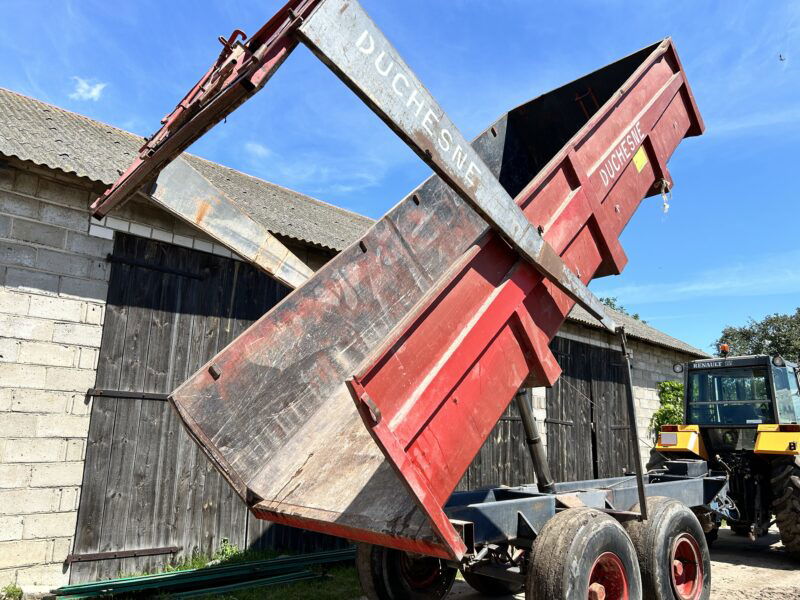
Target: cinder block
column 85, row 289
column 117, row 224
column 49, row 525
column 62, row 263
column 9, row 350
column 60, row 309
column 101, row 232
column 69, row 378
column 61, row 216
column 60, row 474
column 66, row 426
column 99, row 269
column 41, row 401
column 38, row 233
column 89, row 245
column 203, row 246
column 88, row 358
column 41, row 579
column 162, row 236
column 16, row 425
column 63, row 194
column 21, row 553
column 6, row 396
column 93, row 314
column 25, row 502
column 78, row 334
column 81, row 405
column 10, row 529
column 76, row 449
column 12, row 302
column 61, row 548
column 26, row 183
column 14, row 476
column 22, row 376
column 32, row 281
column 31, row 450
column 182, row 240
column 69, row 498
column 18, row 206
column 5, row 226
column 19, row 255
column 140, row 230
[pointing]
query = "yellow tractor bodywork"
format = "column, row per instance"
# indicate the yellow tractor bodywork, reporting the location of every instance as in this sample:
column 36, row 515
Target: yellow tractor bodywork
column 777, row 439
column 681, row 438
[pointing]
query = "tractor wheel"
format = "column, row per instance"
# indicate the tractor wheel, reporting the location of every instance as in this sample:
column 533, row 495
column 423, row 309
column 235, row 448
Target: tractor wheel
column 583, row 553
column 387, row 574
column 786, row 503
column 489, row 586
column 672, row 551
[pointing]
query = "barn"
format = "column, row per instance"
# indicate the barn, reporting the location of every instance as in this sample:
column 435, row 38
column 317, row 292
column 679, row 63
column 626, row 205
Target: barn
column 100, row 320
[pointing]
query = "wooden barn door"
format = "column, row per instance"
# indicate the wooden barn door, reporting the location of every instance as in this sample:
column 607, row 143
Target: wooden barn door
column 146, row 486
column 586, row 416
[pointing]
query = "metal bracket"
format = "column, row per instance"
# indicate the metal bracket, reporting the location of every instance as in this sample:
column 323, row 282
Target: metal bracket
column 73, row 558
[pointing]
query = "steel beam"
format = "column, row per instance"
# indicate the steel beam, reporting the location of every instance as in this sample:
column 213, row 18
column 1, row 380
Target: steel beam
column 343, row 36
column 182, row 191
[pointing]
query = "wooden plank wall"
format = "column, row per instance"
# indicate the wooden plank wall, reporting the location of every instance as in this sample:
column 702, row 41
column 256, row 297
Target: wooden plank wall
column 146, row 484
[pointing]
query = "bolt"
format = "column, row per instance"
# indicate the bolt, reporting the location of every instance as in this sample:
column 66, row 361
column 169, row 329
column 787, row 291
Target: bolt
column 597, row 592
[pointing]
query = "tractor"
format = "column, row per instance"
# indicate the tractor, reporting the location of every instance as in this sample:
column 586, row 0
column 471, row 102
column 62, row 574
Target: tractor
column 742, row 416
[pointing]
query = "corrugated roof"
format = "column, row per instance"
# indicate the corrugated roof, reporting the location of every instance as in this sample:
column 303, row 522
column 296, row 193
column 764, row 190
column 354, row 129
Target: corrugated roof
column 636, row 329
column 56, row 138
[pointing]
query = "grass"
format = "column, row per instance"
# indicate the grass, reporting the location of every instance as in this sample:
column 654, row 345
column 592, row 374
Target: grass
column 339, row 583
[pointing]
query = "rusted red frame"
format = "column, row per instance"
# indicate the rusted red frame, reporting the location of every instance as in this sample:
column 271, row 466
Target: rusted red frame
column 228, row 83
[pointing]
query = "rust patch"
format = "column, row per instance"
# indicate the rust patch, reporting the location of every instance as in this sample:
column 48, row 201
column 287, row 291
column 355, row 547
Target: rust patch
column 202, row 211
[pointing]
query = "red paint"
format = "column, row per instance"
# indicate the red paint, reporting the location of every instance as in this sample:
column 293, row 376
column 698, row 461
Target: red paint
column 441, row 382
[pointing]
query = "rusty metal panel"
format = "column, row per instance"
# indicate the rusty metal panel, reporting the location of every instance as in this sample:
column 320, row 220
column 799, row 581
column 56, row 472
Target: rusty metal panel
column 433, row 320
column 184, row 192
column 341, row 34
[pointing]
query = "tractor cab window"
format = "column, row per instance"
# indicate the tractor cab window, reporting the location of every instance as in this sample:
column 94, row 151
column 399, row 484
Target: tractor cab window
column 734, row 396
column 787, row 395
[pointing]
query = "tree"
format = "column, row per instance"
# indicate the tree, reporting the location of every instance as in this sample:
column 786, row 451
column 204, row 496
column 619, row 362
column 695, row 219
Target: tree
column 670, row 395
column 613, row 303
column 774, row 334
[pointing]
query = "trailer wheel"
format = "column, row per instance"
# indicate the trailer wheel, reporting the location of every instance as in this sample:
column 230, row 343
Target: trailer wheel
column 489, row 586
column 388, row 574
column 583, row 554
column 786, row 503
column 672, row 550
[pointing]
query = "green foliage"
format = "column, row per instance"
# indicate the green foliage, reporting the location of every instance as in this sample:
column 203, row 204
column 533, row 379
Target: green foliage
column 612, row 303
column 774, row 334
column 670, row 394
column 226, row 551
column 11, row 592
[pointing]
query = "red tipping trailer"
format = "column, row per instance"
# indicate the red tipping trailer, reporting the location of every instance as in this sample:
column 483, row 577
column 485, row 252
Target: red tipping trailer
column 355, row 405
column 431, row 322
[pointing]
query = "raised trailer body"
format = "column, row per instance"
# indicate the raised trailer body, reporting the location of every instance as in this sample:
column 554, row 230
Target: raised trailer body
column 356, row 404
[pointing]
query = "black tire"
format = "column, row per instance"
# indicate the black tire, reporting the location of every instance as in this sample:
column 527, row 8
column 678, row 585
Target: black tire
column 387, row 574
column 786, row 504
column 672, row 550
column 489, row 586
column 577, row 548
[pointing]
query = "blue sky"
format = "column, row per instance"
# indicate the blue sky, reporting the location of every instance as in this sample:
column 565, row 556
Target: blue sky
column 727, row 250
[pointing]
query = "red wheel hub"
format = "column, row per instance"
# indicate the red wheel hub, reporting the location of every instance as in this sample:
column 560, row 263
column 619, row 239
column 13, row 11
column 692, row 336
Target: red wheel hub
column 608, row 579
column 686, row 568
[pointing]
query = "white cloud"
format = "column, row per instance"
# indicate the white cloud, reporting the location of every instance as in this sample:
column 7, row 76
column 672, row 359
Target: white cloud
column 257, row 150
column 85, row 90
column 772, row 274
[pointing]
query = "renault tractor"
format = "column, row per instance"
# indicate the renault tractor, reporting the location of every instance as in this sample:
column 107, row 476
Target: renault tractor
column 742, row 416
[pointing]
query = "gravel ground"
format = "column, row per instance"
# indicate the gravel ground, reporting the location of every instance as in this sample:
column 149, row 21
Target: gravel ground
column 740, row 569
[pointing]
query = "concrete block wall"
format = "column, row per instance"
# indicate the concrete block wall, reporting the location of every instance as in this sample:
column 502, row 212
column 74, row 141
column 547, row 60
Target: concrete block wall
column 53, row 285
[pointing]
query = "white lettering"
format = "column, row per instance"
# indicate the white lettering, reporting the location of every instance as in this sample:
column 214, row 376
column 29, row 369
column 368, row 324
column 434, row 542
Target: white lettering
column 412, row 99
column 399, row 77
column 378, row 60
column 471, row 169
column 459, row 163
column 631, row 144
column 445, row 137
column 639, row 132
column 614, row 164
column 368, row 49
column 428, row 119
column 604, row 176
column 620, row 155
